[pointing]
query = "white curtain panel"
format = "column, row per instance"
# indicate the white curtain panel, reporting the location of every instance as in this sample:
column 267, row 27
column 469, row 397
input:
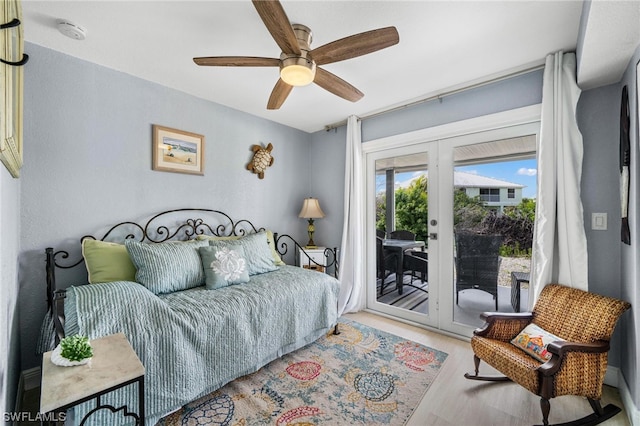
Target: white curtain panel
column 560, row 243
column 352, row 252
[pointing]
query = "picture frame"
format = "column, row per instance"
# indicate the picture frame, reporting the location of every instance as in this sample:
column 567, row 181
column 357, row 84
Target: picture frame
column 177, row 151
column 11, row 80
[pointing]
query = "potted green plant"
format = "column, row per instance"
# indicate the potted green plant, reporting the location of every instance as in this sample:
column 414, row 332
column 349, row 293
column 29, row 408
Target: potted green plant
column 72, row 350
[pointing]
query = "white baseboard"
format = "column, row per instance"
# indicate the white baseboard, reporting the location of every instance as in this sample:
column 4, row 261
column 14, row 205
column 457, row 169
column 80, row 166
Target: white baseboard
column 633, row 414
column 612, row 376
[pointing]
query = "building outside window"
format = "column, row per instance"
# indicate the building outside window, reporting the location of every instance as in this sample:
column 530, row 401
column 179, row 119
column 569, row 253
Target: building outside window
column 490, row 194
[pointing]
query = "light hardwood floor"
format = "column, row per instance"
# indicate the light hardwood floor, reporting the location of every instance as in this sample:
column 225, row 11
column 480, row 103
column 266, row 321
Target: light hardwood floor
column 453, row 400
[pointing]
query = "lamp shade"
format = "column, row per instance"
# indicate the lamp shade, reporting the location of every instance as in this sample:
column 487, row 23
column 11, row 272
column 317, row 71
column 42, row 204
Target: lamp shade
column 311, row 209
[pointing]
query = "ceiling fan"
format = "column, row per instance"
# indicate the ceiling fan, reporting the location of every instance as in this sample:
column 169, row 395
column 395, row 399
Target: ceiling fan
column 299, row 64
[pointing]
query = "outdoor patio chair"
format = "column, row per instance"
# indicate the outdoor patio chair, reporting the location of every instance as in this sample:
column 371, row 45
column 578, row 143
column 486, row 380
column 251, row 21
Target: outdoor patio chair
column 578, row 326
column 477, row 263
column 402, row 234
column 416, row 265
column 386, row 263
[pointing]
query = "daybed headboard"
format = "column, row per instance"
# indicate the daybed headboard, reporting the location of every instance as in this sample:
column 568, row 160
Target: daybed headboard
column 177, row 224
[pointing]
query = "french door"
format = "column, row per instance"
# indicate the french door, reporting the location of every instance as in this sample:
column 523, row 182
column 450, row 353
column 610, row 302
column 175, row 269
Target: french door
column 399, row 276
column 414, row 186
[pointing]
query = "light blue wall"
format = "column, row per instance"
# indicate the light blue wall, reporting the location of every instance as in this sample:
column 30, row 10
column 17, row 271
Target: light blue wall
column 598, row 119
column 500, row 96
column 327, row 158
column 88, row 165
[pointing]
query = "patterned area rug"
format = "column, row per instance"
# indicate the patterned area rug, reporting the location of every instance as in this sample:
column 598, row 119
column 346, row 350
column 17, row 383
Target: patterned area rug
column 363, row 376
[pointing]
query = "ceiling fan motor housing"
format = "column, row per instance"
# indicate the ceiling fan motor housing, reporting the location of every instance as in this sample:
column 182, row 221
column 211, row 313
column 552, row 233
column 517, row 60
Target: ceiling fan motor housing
column 301, row 69
column 304, row 36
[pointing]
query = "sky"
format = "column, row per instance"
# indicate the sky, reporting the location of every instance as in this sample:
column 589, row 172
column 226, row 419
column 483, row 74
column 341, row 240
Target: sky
column 522, row 172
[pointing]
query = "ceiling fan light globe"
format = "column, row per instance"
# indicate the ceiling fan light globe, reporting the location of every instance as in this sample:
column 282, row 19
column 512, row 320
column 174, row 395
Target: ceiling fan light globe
column 297, row 75
column 297, row 71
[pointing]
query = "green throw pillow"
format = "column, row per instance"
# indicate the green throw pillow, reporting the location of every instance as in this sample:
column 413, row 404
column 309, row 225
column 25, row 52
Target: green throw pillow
column 223, row 266
column 167, row 267
column 107, row 262
column 272, row 245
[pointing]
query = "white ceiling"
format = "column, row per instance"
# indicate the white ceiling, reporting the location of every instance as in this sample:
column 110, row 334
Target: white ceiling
column 442, row 45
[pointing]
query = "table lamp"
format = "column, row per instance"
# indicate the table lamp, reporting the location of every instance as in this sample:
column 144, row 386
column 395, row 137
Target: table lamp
column 311, row 210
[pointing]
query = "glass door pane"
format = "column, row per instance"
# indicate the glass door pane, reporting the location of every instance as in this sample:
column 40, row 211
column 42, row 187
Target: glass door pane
column 494, row 186
column 399, row 197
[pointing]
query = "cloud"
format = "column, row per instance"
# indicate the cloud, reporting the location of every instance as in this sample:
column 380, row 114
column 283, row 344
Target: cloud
column 527, row 172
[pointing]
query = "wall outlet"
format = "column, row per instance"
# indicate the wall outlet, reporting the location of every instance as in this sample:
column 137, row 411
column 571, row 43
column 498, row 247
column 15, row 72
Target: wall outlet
column 599, row 221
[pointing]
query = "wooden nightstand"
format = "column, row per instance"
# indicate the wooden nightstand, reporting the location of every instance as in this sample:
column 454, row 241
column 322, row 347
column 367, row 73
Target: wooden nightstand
column 313, row 259
column 114, row 365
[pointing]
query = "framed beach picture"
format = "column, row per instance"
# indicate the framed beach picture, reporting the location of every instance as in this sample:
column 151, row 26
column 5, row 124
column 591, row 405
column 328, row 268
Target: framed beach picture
column 177, row 151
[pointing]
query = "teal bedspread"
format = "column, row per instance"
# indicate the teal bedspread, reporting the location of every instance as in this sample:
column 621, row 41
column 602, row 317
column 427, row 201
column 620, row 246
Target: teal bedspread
column 195, row 341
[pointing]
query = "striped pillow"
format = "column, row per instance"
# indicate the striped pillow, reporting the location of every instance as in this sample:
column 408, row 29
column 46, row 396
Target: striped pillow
column 167, row 267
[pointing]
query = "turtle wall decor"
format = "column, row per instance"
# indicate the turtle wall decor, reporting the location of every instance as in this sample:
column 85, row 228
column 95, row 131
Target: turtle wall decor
column 262, row 159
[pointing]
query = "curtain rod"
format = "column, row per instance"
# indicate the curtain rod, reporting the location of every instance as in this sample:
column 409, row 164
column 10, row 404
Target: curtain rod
column 441, row 95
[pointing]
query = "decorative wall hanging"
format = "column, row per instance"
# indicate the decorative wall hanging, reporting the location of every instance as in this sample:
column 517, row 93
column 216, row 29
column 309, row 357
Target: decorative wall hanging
column 177, row 151
column 12, row 58
column 625, row 160
column 262, row 159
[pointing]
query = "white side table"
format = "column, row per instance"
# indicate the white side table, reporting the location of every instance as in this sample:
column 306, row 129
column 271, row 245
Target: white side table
column 312, row 258
column 114, row 365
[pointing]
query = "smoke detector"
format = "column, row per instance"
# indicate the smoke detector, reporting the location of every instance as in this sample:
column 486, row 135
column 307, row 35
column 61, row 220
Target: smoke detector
column 71, row 30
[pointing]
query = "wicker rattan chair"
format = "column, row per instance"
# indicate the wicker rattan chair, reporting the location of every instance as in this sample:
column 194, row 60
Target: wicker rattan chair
column 577, row 366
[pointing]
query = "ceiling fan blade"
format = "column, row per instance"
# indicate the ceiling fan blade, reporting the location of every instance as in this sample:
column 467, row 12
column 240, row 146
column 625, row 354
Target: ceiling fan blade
column 276, row 21
column 279, row 94
column 336, row 85
column 355, row 45
column 236, row 61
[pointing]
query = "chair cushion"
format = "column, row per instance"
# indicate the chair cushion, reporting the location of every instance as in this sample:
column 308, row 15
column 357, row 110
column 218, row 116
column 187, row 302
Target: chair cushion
column 509, row 360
